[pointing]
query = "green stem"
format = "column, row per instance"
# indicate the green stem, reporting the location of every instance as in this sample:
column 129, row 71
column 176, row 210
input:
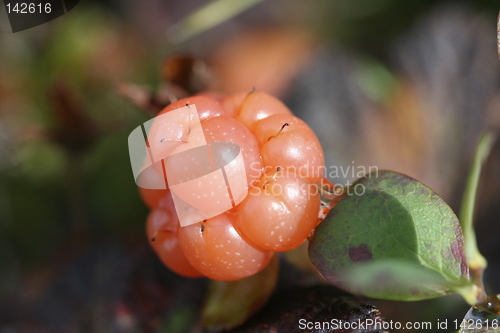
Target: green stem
column 206, row 17
column 477, row 263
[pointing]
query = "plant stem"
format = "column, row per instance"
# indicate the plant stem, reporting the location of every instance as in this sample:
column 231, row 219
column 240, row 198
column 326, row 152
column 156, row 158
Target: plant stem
column 477, row 263
column 330, row 195
column 491, row 304
column 206, row 17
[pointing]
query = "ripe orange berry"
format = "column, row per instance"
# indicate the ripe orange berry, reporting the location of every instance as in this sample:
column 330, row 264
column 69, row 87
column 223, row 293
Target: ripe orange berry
column 249, row 108
column 286, row 141
column 279, row 212
column 282, row 159
column 215, row 249
column 162, row 227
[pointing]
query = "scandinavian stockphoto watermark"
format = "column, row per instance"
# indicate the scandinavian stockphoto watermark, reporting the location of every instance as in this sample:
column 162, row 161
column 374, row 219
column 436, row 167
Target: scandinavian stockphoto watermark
column 332, row 172
column 209, row 178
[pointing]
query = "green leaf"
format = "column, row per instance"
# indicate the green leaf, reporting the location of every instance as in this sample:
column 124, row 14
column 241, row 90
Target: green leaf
column 390, row 227
column 229, row 304
column 396, row 280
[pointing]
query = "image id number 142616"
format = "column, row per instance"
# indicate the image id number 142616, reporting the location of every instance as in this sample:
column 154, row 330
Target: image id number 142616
column 28, row 8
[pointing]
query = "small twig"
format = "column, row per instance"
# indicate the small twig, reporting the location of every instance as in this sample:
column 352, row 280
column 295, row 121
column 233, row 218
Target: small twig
column 144, row 99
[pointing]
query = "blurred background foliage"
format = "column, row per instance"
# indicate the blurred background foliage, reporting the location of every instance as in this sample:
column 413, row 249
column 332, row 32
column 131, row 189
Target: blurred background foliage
column 404, row 85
